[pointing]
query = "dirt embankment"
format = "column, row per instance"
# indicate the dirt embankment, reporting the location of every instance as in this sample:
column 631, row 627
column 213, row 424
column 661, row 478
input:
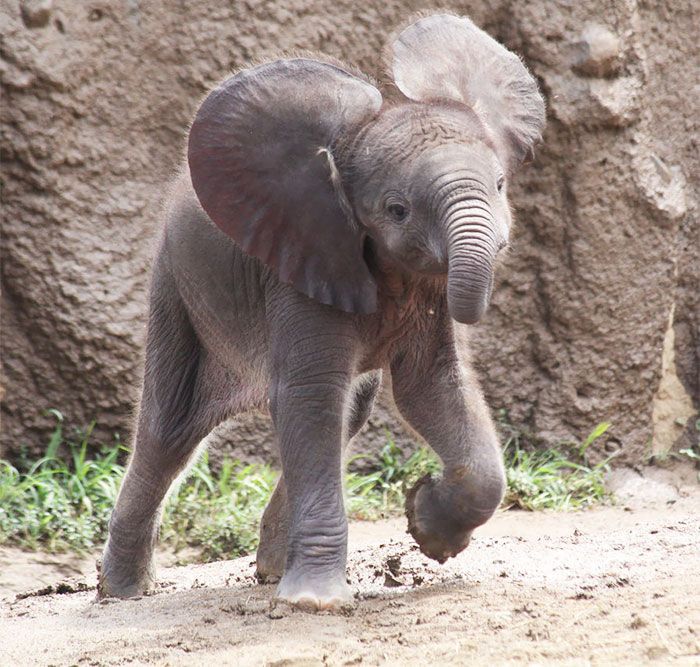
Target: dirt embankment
column 616, row 585
column 97, row 100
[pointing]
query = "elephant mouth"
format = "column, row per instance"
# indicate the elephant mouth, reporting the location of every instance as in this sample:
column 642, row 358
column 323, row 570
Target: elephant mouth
column 429, row 266
column 414, row 261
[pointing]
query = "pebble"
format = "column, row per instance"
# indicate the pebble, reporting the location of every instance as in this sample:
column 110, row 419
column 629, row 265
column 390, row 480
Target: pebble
column 36, row 13
column 600, row 51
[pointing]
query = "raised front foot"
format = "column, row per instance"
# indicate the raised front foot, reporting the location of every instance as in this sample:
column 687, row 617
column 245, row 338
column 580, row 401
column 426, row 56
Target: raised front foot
column 315, row 593
column 442, row 514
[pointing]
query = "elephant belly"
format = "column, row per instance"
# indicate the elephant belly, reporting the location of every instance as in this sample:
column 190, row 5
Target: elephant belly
column 223, row 291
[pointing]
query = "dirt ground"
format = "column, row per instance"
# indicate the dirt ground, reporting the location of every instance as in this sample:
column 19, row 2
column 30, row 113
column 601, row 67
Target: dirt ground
column 613, row 585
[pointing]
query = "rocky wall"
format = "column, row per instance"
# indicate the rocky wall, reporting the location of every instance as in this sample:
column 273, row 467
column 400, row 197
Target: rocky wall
column 97, row 96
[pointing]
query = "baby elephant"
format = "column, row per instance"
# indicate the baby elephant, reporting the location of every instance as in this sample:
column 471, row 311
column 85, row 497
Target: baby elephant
column 319, row 235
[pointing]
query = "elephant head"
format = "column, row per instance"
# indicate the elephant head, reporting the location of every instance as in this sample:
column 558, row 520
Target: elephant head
column 301, row 161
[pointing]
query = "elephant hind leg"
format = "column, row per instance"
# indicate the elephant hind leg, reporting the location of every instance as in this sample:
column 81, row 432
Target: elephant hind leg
column 272, row 551
column 184, row 396
column 364, row 393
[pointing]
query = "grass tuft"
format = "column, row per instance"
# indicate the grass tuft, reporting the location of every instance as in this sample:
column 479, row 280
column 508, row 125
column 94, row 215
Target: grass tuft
column 218, row 512
column 382, row 493
column 554, row 479
column 63, row 501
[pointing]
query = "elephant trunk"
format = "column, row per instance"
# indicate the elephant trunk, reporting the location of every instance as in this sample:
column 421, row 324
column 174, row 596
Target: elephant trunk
column 471, row 250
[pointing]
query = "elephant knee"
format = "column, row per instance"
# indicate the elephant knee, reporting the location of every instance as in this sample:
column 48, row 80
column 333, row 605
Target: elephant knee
column 480, row 496
column 472, row 496
column 480, row 485
column 363, row 401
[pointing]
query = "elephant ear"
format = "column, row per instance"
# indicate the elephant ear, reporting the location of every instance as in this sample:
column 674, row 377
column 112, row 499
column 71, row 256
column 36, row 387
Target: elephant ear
column 261, row 162
column 446, row 57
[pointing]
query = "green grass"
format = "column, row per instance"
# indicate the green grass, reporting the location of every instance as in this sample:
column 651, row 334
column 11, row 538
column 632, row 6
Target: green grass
column 62, row 501
column 218, row 513
column 557, row 479
column 382, row 493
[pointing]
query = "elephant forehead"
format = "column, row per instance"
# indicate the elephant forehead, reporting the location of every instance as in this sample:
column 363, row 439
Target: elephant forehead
column 401, row 134
column 440, row 119
column 473, row 157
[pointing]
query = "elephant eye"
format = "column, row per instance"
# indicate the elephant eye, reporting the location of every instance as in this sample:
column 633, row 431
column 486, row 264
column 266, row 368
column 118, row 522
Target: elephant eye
column 397, row 211
column 500, row 182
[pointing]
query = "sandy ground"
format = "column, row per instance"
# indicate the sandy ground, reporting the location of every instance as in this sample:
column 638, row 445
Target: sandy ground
column 614, row 585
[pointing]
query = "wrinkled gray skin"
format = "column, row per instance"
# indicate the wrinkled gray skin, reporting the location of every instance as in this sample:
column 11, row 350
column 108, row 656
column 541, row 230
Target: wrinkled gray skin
column 421, row 181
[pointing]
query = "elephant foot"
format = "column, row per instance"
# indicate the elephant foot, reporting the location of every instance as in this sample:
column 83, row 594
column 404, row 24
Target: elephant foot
column 435, row 530
column 315, row 594
column 269, row 564
column 271, row 556
column 123, row 581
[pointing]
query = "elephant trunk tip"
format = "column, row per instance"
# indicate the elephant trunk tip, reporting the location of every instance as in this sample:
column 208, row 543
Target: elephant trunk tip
column 467, row 305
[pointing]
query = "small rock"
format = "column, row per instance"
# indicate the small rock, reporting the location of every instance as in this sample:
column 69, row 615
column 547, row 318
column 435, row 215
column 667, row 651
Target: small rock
column 393, row 563
column 36, row 13
column 599, row 51
column 616, row 103
column 277, row 612
column 637, row 622
column 665, row 189
column 390, row 581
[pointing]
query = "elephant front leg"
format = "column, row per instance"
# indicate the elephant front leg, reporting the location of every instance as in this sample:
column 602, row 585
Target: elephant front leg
column 310, row 391
column 272, row 551
column 445, row 406
column 309, row 418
